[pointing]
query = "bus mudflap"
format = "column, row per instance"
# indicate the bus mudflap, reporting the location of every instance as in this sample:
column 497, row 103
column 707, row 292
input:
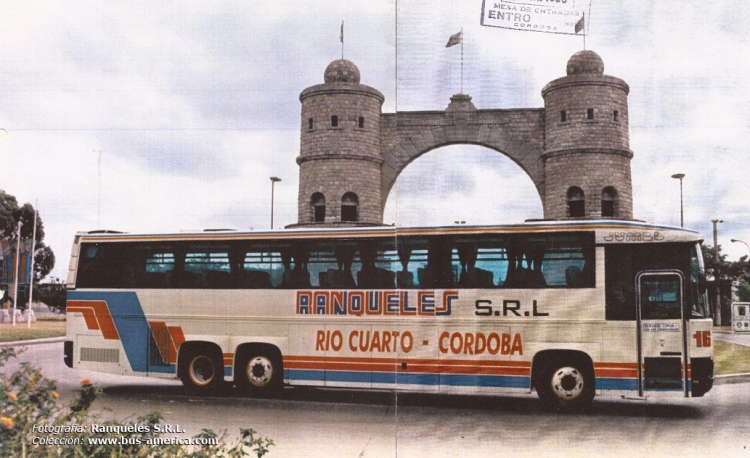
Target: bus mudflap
column 702, row 379
column 68, row 351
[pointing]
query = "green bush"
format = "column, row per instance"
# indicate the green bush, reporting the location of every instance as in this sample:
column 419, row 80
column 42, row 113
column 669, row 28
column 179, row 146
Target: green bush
column 30, row 408
column 52, row 294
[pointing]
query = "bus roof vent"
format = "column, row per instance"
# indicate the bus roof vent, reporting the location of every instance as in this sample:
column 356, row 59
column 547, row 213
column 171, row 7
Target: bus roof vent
column 105, row 231
column 219, row 230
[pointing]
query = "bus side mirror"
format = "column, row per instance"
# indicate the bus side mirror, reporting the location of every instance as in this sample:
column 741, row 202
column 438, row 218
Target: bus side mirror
column 704, row 279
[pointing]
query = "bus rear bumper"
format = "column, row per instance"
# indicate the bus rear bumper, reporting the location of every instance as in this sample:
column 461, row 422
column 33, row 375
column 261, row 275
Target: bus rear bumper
column 702, row 379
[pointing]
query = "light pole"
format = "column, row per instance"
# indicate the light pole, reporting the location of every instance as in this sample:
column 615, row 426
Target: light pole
column 680, row 176
column 273, row 182
column 740, row 241
column 717, row 318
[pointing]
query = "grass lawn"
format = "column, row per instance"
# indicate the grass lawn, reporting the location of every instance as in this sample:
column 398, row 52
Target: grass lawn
column 727, row 363
column 38, row 330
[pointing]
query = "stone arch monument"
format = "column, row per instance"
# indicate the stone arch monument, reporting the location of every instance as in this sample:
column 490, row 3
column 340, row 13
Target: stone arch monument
column 575, row 149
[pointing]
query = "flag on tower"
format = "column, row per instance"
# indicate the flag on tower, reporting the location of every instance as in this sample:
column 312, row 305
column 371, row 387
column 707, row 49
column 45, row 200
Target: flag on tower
column 581, row 24
column 341, row 37
column 455, row 39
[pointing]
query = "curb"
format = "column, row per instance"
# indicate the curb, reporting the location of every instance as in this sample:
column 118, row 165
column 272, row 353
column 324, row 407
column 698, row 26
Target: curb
column 21, row 343
column 731, row 379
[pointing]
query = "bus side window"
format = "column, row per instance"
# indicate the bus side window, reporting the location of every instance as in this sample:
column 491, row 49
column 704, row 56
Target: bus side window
column 525, row 265
column 261, row 269
column 439, row 270
column 300, row 276
column 159, row 266
column 472, row 276
column 372, row 276
column 404, row 278
column 295, row 260
column 207, row 266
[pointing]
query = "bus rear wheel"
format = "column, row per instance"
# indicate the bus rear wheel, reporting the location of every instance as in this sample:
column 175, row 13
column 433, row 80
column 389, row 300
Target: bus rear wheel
column 566, row 387
column 259, row 371
column 201, row 374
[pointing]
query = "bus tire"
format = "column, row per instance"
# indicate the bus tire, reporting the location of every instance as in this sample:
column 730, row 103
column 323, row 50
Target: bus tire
column 566, row 386
column 202, row 371
column 259, row 370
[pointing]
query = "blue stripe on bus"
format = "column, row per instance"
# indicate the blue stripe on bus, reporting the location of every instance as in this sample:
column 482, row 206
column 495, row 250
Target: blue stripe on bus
column 497, row 381
column 605, row 383
column 501, row 381
column 301, row 374
column 170, row 369
column 392, row 378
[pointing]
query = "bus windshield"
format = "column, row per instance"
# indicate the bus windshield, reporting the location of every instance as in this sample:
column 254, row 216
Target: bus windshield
column 624, row 262
column 696, row 285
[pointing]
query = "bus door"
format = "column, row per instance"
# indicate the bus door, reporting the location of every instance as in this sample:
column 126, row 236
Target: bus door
column 662, row 332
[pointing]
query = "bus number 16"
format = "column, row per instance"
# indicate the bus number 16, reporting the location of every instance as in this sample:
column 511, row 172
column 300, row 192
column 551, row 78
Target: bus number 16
column 702, row 338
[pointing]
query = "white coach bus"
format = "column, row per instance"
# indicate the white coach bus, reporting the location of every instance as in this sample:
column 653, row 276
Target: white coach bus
column 569, row 309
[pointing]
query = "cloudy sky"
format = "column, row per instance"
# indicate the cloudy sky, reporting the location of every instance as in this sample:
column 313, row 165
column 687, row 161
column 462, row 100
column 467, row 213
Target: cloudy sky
column 161, row 116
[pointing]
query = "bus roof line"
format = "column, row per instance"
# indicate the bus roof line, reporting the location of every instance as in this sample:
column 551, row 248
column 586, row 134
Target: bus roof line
column 546, row 226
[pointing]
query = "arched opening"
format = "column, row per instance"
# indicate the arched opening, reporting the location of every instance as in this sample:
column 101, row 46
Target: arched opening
column 576, row 202
column 609, row 202
column 349, row 207
column 462, row 183
column 318, row 207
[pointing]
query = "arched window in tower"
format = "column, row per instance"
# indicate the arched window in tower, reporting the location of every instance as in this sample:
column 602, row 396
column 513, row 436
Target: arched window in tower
column 349, row 207
column 609, row 202
column 318, row 204
column 576, row 202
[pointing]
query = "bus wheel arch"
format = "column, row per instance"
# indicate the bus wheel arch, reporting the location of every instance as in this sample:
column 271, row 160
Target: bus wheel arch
column 200, row 366
column 564, row 379
column 258, row 368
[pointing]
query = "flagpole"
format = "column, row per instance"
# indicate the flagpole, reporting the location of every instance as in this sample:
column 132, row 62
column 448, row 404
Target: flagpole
column 342, row 39
column 31, row 278
column 462, row 60
column 584, row 31
column 15, row 283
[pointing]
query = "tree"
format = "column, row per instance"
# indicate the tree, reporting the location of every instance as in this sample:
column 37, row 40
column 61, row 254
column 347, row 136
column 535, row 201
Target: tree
column 743, row 291
column 726, row 272
column 10, row 214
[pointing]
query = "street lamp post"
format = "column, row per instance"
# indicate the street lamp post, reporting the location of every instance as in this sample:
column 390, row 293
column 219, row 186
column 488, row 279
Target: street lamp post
column 680, row 176
column 740, row 241
column 717, row 317
column 273, row 182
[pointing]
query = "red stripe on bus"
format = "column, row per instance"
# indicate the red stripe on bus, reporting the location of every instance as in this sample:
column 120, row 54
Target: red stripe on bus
column 178, row 338
column 163, row 340
column 103, row 320
column 430, row 366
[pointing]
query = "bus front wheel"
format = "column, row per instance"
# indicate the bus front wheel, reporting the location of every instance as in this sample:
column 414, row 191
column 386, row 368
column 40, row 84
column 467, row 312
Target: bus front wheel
column 259, row 371
column 566, row 387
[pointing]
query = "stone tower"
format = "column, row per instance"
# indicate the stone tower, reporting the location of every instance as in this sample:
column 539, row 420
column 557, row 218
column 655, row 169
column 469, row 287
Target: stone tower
column 586, row 151
column 339, row 161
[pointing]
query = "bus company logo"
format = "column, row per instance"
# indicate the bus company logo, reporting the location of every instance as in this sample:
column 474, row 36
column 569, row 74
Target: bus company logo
column 358, row 303
column 634, row 237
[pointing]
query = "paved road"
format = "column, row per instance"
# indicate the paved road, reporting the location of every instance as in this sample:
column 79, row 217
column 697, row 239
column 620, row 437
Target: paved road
column 742, row 338
column 323, row 423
